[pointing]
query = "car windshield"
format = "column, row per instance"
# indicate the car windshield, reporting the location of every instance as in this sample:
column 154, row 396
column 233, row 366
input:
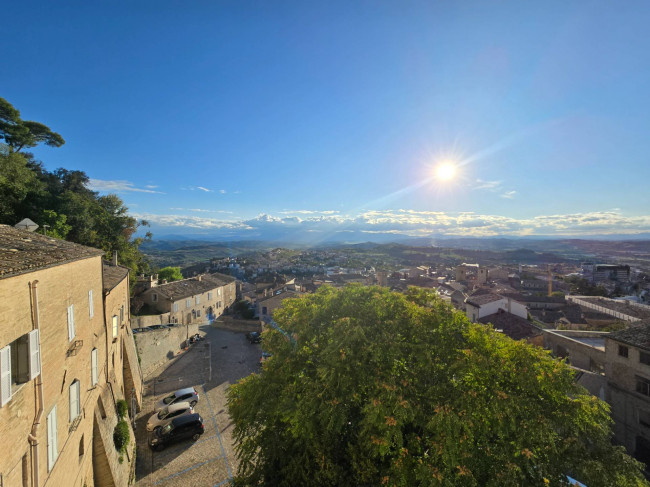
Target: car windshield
column 169, row 399
column 163, row 412
column 166, row 429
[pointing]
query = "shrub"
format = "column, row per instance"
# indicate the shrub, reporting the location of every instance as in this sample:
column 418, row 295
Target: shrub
column 122, row 408
column 121, row 436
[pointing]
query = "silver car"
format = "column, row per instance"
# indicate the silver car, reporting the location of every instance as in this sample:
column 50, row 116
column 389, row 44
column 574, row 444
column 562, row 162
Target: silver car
column 167, row 413
column 189, row 394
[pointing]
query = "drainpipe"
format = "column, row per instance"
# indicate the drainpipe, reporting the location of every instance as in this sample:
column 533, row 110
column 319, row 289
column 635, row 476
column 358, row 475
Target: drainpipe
column 38, row 391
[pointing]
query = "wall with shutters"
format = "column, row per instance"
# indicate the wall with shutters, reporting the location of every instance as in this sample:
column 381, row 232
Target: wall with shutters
column 58, row 288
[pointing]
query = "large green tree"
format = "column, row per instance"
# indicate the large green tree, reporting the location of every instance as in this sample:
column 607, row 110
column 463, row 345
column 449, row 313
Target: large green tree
column 170, row 274
column 18, row 133
column 369, row 387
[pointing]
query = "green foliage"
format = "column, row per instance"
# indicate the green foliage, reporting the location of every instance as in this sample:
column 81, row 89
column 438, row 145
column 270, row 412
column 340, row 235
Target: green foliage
column 381, row 388
column 584, row 287
column 244, row 309
column 122, row 408
column 121, row 436
column 557, row 294
column 18, row 133
column 170, row 273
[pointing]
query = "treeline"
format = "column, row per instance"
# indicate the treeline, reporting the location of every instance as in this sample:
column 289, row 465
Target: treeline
column 59, row 201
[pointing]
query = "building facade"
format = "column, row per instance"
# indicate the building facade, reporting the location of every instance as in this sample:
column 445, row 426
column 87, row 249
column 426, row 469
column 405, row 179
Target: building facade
column 55, row 378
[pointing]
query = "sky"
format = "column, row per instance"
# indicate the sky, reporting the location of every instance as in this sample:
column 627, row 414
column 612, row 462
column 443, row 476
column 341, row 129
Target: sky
column 262, row 119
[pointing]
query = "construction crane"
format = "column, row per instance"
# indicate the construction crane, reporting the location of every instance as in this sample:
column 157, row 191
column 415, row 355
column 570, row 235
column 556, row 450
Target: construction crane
column 550, row 281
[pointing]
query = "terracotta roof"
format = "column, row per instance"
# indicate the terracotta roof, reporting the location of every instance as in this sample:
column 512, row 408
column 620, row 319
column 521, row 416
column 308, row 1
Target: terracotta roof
column 515, row 327
column 22, row 251
column 637, row 335
column 190, row 287
column 482, row 299
column 113, row 275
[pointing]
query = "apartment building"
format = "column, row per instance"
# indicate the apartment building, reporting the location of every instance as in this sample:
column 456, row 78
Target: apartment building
column 58, row 389
column 191, row 300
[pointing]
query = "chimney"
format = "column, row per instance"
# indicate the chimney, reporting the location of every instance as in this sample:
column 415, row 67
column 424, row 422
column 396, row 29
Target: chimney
column 198, row 278
column 114, row 257
column 164, row 281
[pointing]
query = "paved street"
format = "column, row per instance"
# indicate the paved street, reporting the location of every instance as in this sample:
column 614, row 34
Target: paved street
column 211, row 460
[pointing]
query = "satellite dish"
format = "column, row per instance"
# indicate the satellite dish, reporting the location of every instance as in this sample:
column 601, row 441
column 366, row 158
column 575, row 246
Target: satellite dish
column 26, row 224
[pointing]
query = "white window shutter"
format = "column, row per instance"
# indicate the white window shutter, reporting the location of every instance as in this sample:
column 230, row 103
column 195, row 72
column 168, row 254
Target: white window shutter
column 34, row 354
column 52, row 446
column 71, row 333
column 5, row 375
column 74, row 400
column 91, row 309
column 115, row 326
column 93, row 367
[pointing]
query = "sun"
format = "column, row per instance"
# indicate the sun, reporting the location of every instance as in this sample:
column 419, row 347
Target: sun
column 445, row 171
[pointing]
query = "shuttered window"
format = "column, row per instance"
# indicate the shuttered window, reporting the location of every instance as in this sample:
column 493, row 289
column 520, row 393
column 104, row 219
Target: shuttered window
column 74, row 400
column 93, row 367
column 52, row 446
column 175, row 307
column 71, row 333
column 34, row 354
column 5, row 375
column 91, row 309
column 197, row 299
column 115, row 326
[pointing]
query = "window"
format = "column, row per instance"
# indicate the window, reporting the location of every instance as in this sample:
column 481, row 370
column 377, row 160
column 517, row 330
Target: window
column 175, row 307
column 644, row 418
column 93, row 367
column 623, row 351
column 20, row 362
column 91, row 309
column 188, row 303
column 122, row 314
column 154, row 297
column 209, row 296
column 644, row 358
column 81, row 446
column 264, row 310
column 197, row 300
column 75, row 405
column 643, row 386
column 71, row 333
column 198, row 313
column 52, row 447
column 115, row 326
column 219, row 292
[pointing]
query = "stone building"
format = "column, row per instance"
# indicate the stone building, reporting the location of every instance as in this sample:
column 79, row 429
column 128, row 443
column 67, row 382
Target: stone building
column 58, row 389
column 191, row 300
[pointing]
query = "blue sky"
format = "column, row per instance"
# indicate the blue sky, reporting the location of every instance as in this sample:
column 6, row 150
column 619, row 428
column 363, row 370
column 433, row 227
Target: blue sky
column 232, row 117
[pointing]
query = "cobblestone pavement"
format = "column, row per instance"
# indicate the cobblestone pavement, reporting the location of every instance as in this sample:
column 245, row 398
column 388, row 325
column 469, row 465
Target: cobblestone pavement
column 211, row 460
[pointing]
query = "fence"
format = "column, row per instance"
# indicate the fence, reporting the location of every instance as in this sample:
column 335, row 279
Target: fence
column 608, row 311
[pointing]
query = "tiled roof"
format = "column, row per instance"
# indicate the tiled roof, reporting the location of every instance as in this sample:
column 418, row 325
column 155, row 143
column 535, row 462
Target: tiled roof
column 190, row 287
column 113, row 275
column 22, row 251
column 482, row 299
column 515, row 327
column 637, row 335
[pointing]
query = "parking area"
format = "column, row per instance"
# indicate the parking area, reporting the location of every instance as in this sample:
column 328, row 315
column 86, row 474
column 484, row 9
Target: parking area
column 210, row 366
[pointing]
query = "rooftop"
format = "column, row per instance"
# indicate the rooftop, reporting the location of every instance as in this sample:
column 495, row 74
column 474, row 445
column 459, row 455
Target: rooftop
column 22, row 251
column 635, row 310
column 637, row 335
column 513, row 326
column 190, row 287
column 482, row 299
column 113, row 275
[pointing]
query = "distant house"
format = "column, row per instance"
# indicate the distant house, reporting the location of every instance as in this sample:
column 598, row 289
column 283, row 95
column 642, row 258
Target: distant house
column 266, row 306
column 479, row 306
column 513, row 326
column 187, row 301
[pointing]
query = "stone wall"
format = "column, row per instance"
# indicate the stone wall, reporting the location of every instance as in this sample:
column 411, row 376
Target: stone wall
column 566, row 344
column 149, row 320
column 157, row 347
column 226, row 323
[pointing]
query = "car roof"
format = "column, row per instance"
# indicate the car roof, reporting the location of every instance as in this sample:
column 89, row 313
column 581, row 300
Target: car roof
column 179, row 405
column 182, row 392
column 188, row 418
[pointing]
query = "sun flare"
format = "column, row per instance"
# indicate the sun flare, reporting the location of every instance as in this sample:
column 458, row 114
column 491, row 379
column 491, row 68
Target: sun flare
column 445, row 171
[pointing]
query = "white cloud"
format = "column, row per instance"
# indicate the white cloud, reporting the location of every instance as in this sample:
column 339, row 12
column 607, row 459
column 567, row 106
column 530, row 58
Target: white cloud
column 418, row 223
column 222, row 191
column 201, row 188
column 480, row 184
column 508, row 194
column 118, row 186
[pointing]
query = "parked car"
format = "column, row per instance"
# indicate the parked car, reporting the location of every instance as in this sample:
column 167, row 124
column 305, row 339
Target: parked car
column 189, row 394
column 178, row 429
column 254, row 337
column 167, row 413
column 265, row 356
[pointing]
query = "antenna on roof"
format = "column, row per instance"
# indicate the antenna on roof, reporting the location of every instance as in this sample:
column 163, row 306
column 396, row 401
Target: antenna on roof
column 26, row 224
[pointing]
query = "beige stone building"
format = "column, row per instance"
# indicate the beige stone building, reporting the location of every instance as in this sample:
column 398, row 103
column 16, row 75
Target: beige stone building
column 197, row 299
column 58, row 386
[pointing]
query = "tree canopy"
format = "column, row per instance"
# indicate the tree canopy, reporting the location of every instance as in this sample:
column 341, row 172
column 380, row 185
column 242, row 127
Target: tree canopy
column 60, row 200
column 380, row 388
column 170, row 273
